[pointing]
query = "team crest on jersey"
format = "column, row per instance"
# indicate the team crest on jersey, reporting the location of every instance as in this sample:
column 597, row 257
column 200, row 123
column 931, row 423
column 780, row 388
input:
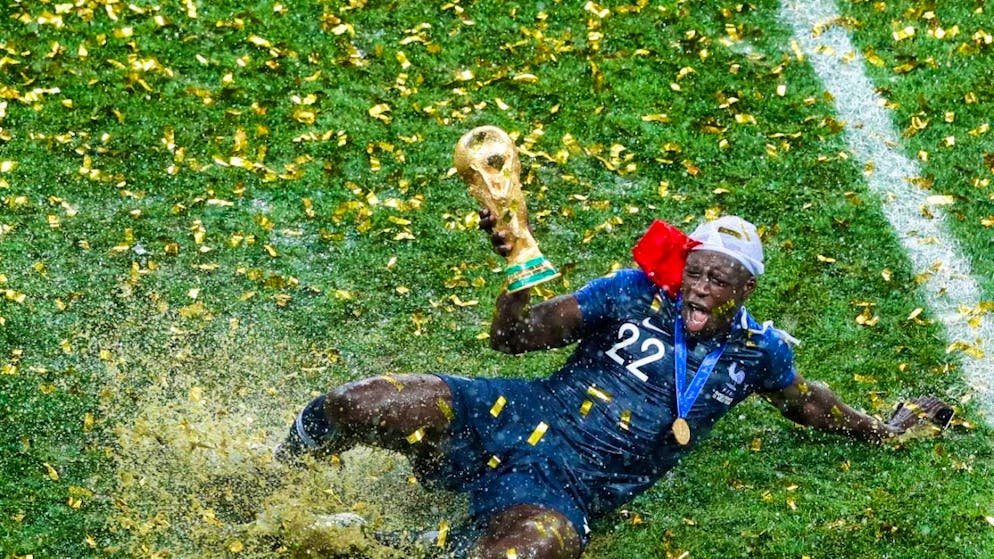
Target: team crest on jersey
column 733, row 373
column 726, row 394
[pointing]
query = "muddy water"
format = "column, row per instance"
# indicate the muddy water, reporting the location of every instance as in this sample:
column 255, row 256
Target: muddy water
column 196, row 411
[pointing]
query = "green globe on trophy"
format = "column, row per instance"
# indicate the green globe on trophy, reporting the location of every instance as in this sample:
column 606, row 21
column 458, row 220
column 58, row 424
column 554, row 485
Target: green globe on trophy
column 487, row 159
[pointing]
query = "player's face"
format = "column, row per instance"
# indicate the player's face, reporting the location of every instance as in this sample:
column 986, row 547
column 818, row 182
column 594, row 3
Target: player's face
column 714, row 287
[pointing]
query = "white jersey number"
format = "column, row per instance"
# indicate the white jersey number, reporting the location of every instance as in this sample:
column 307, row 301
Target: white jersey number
column 653, row 349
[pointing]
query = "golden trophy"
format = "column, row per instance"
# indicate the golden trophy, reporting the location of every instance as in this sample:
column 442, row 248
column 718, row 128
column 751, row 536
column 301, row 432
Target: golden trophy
column 487, row 159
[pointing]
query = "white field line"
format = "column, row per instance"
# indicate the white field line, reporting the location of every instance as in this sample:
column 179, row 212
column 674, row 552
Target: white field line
column 872, row 137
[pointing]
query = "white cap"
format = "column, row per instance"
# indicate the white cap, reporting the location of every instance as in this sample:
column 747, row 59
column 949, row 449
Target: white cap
column 735, row 237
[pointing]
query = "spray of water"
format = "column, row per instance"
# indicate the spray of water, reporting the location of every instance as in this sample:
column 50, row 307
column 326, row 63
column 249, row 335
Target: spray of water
column 197, row 408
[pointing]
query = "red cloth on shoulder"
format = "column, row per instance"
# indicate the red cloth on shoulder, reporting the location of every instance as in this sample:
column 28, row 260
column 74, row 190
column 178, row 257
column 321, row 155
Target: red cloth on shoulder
column 662, row 254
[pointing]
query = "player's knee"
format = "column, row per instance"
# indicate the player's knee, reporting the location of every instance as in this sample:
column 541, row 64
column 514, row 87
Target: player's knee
column 556, row 533
column 532, row 532
column 357, row 402
column 342, row 404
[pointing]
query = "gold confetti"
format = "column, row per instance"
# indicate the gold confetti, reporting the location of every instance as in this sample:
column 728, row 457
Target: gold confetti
column 494, row 461
column 902, row 34
column 973, row 350
column 443, row 532
column 52, row 473
column 585, row 407
column 798, row 53
column 379, row 112
column 658, row 117
column 867, row 318
column 626, row 420
column 538, row 433
column 446, row 409
column 940, row 200
column 512, row 554
column 416, row 436
column 598, row 393
column 259, row 41
column 498, row 406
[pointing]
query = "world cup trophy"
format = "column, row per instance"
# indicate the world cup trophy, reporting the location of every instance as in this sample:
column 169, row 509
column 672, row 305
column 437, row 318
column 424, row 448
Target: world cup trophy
column 487, row 160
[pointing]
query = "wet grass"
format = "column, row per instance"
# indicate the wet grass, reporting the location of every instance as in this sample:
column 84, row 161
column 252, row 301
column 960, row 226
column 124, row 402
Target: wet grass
column 207, row 215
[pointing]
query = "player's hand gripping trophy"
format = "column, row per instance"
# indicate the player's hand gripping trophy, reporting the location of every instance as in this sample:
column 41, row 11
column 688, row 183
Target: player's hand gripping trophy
column 487, row 159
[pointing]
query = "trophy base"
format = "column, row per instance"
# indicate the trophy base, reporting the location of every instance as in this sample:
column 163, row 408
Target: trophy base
column 529, row 274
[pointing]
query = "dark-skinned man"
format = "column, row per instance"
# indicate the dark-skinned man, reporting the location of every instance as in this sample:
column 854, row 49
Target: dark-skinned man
column 649, row 377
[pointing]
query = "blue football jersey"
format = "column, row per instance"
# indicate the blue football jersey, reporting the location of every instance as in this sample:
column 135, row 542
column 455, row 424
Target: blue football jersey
column 613, row 403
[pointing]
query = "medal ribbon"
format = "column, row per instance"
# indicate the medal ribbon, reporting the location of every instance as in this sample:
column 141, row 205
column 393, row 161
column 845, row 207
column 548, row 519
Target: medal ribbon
column 685, row 397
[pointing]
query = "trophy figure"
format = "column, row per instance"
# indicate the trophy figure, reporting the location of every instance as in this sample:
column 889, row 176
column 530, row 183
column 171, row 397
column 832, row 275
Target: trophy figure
column 487, row 160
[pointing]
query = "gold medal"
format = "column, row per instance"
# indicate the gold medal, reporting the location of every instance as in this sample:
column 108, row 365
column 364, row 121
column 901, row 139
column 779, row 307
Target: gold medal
column 681, row 431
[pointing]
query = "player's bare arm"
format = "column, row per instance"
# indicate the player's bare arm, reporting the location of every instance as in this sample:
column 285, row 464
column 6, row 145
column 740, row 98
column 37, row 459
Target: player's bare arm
column 518, row 326
column 814, row 405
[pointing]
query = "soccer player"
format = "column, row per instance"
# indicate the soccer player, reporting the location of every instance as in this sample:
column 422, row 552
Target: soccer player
column 648, row 379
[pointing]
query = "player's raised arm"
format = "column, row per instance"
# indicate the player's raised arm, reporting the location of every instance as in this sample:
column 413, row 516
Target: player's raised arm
column 519, row 326
column 814, row 405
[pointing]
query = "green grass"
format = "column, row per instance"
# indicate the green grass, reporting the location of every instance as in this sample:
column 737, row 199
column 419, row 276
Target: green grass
column 164, row 315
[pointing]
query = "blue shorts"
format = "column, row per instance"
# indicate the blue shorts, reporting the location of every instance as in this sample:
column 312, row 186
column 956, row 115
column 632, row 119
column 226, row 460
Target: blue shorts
column 491, row 457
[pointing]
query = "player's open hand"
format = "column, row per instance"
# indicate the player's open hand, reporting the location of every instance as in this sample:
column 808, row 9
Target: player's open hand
column 499, row 239
column 927, row 412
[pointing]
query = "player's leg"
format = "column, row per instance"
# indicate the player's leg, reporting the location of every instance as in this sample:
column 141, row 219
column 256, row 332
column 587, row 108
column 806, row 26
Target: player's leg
column 408, row 413
column 531, row 531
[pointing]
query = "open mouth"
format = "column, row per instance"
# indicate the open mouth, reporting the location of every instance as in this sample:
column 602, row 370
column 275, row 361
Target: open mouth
column 695, row 316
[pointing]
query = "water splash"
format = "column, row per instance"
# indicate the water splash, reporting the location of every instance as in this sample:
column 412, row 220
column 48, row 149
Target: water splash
column 198, row 411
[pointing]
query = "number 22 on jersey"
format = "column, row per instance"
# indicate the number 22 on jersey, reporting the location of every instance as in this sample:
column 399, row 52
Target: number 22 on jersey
column 652, row 350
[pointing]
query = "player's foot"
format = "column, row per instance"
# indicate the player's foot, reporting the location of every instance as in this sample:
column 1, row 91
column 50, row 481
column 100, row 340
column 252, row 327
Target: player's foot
column 294, row 448
column 313, row 433
column 291, row 450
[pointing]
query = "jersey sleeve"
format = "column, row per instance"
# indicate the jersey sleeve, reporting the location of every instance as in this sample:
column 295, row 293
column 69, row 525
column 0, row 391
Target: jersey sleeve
column 609, row 297
column 780, row 369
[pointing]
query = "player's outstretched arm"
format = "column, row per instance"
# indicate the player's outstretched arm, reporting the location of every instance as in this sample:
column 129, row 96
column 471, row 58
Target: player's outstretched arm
column 519, row 326
column 814, row 405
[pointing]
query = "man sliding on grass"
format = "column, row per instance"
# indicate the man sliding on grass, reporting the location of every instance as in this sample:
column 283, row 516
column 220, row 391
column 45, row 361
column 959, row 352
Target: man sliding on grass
column 650, row 376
